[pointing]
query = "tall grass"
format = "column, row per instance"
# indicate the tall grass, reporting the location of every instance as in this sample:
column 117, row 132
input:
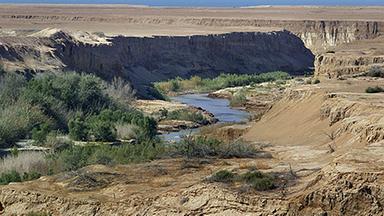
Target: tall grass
column 126, row 131
column 18, row 120
column 25, row 162
column 238, row 99
column 120, row 90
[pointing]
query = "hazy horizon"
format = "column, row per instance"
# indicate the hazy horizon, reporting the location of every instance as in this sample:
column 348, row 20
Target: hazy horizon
column 208, row 3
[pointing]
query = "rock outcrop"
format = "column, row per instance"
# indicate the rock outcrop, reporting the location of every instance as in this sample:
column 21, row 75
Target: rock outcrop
column 317, row 34
column 341, row 194
column 339, row 65
column 358, row 114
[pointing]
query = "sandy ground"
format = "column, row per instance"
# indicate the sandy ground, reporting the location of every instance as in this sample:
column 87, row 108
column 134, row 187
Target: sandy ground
column 145, row 21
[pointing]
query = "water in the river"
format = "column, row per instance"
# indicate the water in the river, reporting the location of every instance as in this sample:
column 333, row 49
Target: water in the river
column 219, row 107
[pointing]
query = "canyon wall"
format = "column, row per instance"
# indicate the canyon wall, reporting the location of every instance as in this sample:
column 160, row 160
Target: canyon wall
column 335, row 65
column 143, row 60
column 322, row 29
column 317, row 34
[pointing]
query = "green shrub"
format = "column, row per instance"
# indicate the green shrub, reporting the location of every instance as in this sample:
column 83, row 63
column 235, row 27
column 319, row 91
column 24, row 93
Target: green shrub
column 74, row 157
column 198, row 146
column 237, row 149
column 78, row 129
column 258, row 180
column 69, row 102
column 17, row 121
column 187, row 115
column 11, row 176
column 316, row 81
column 11, row 86
column 375, row 89
column 100, row 157
column 201, row 147
column 308, row 81
column 223, row 176
column 102, row 127
column 73, row 92
column 40, row 133
column 375, row 71
column 156, row 92
column 175, row 86
column 198, row 84
column 14, row 176
column 31, row 176
column 101, row 130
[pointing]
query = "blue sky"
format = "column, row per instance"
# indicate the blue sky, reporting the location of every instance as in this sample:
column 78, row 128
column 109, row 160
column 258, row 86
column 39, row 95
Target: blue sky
column 222, row 3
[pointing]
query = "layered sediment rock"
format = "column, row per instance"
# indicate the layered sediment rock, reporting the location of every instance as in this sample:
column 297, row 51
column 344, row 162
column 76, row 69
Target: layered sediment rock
column 318, row 34
column 338, row 65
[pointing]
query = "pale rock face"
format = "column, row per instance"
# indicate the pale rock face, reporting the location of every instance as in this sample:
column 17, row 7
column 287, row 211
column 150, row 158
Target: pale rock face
column 322, row 35
column 338, row 65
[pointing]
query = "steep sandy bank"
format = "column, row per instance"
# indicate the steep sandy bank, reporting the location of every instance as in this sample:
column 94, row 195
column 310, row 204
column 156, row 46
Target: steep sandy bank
column 337, row 130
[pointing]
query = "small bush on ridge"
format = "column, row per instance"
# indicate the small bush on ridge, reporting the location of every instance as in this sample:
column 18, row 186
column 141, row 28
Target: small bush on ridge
column 375, row 89
column 222, row 176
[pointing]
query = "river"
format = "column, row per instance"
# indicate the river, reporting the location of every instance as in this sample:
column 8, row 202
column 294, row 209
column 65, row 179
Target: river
column 218, row 107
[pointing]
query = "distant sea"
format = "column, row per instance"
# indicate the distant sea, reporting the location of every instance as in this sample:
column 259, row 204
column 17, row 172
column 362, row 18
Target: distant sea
column 210, row 3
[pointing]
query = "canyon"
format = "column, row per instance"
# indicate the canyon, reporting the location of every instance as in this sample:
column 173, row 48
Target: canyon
column 323, row 140
column 142, row 61
column 345, row 40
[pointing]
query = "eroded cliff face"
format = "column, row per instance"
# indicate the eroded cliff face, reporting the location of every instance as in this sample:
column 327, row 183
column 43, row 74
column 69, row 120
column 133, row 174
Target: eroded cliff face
column 318, row 34
column 145, row 60
column 322, row 35
column 148, row 59
column 336, row 65
column 155, row 58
